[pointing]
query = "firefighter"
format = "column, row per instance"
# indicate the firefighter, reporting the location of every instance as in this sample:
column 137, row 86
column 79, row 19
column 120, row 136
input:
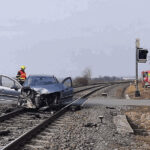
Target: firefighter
column 21, row 75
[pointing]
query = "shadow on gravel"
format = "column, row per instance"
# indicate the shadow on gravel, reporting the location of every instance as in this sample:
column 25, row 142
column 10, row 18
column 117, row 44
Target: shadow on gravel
column 138, row 130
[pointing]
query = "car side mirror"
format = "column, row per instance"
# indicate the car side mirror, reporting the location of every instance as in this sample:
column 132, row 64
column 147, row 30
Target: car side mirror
column 15, row 88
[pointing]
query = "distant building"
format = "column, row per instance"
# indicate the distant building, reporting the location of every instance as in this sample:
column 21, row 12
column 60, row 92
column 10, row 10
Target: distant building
column 128, row 78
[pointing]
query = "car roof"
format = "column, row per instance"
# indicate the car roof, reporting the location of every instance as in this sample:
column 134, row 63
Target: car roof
column 40, row 75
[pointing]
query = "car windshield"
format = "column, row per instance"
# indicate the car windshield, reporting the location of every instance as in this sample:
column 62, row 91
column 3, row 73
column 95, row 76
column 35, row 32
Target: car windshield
column 36, row 81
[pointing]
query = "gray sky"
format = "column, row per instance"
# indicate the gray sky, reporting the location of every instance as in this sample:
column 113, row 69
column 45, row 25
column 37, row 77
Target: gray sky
column 63, row 37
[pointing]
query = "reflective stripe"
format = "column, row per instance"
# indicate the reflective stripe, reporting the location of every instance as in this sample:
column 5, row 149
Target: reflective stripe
column 22, row 75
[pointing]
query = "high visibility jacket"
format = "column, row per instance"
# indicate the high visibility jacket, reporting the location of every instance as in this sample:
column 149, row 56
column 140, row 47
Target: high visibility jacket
column 21, row 75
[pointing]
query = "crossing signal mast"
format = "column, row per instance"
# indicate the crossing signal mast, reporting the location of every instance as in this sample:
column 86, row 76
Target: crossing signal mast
column 141, row 57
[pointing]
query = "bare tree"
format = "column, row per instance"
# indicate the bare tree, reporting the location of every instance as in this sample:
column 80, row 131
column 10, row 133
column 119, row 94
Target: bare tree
column 87, row 73
column 85, row 79
column 80, row 81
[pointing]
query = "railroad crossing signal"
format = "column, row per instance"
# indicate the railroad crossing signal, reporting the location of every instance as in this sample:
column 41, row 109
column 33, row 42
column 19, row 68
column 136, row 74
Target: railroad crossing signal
column 142, row 55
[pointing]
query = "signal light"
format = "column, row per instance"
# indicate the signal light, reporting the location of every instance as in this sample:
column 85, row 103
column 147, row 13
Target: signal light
column 142, row 55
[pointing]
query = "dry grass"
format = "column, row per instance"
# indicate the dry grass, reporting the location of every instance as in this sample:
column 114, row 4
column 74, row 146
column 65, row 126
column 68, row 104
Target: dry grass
column 145, row 92
column 140, row 117
column 143, row 138
column 140, row 109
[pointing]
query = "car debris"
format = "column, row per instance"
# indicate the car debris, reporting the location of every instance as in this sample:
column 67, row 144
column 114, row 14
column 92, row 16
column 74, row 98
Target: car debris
column 90, row 125
column 4, row 132
column 108, row 107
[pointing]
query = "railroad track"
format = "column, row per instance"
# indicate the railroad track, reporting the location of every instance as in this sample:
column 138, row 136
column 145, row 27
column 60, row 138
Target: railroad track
column 87, row 88
column 40, row 125
column 19, row 124
column 23, row 110
column 103, row 83
column 84, row 88
column 20, row 121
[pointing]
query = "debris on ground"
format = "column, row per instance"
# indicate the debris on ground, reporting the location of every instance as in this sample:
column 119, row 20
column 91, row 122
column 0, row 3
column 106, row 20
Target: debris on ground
column 90, row 125
column 4, row 132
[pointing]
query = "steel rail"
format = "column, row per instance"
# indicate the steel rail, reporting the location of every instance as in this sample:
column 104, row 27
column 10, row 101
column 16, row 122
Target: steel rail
column 86, row 89
column 98, row 84
column 112, row 82
column 11, row 114
column 28, row 135
column 75, row 87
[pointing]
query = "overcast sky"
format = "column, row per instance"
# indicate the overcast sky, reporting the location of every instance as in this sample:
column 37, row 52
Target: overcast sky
column 63, row 37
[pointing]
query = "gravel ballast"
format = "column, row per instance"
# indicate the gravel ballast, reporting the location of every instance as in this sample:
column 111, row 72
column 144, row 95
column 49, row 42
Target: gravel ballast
column 83, row 130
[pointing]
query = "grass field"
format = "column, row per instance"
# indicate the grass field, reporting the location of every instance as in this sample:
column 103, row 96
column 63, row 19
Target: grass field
column 144, row 92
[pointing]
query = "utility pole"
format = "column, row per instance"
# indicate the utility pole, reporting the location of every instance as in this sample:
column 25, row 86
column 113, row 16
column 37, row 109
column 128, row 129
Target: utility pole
column 137, row 92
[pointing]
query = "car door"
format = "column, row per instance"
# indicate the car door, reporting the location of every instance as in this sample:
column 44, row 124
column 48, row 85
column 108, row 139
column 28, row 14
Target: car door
column 9, row 87
column 68, row 89
column 2, row 89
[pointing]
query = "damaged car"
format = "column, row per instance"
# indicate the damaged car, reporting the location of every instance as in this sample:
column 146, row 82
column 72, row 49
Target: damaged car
column 43, row 90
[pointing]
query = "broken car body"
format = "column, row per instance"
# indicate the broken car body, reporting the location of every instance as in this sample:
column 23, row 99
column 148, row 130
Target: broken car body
column 44, row 90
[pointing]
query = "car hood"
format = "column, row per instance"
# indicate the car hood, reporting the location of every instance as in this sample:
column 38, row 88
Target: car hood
column 47, row 89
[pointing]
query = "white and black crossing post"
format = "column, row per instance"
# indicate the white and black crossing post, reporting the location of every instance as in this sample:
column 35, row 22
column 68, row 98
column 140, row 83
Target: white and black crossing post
column 141, row 57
